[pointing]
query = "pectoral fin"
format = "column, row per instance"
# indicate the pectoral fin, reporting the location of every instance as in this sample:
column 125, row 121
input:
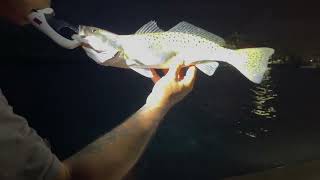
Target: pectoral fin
column 208, row 68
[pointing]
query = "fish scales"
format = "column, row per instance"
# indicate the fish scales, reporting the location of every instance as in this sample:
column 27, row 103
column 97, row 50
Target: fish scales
column 165, row 44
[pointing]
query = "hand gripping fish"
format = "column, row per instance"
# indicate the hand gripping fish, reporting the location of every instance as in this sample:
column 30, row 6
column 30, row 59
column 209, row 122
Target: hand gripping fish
column 151, row 47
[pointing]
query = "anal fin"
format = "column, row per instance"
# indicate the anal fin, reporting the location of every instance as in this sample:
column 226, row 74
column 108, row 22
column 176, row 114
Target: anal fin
column 143, row 71
column 208, row 68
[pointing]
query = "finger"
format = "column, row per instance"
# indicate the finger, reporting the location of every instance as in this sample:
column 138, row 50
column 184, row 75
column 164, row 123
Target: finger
column 190, row 77
column 175, row 69
column 155, row 76
column 181, row 74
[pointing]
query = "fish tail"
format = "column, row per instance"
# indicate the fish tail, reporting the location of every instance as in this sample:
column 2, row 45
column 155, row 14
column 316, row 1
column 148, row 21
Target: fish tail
column 252, row 62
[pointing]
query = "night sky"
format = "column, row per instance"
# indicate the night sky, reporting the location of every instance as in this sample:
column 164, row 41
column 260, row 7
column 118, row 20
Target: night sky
column 71, row 100
column 289, row 25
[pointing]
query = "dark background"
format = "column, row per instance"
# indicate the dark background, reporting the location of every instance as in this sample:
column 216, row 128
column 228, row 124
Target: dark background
column 70, row 100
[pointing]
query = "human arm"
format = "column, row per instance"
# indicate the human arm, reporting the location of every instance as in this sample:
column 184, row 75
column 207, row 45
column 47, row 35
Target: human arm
column 16, row 11
column 112, row 155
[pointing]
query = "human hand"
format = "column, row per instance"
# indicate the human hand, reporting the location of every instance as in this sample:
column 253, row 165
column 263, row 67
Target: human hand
column 17, row 11
column 171, row 88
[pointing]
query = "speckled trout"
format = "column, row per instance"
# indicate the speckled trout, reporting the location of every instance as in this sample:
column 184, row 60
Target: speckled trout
column 151, row 47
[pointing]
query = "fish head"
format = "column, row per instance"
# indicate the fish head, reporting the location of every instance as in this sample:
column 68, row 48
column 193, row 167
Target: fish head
column 99, row 40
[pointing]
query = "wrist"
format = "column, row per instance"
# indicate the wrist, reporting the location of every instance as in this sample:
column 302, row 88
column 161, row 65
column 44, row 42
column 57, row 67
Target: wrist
column 156, row 108
column 150, row 116
column 156, row 111
column 157, row 100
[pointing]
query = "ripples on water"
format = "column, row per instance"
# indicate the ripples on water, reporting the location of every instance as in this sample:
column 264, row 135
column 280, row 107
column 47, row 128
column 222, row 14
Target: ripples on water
column 261, row 110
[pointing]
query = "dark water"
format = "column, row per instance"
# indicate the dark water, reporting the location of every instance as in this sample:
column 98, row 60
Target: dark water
column 234, row 127
column 227, row 126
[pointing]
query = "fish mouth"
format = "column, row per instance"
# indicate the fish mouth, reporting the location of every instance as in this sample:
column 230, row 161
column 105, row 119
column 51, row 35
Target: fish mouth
column 86, row 45
column 117, row 54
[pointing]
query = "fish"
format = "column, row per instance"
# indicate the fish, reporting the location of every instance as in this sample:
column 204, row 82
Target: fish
column 153, row 48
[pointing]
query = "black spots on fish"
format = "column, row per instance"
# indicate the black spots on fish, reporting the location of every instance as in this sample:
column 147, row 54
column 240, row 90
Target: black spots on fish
column 192, row 35
column 153, row 39
column 253, row 61
column 172, row 39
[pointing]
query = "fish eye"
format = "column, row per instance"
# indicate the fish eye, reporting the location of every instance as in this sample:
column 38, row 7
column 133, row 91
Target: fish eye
column 93, row 30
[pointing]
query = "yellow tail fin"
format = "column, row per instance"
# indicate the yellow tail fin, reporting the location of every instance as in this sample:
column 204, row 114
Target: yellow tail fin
column 253, row 62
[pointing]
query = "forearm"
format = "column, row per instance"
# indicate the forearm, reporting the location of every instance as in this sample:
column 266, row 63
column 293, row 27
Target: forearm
column 112, row 155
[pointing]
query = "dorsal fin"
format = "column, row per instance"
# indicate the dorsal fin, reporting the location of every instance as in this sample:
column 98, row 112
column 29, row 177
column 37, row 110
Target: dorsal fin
column 150, row 27
column 186, row 27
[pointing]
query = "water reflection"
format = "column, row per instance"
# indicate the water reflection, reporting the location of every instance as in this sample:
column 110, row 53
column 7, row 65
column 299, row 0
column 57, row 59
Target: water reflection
column 263, row 98
column 261, row 110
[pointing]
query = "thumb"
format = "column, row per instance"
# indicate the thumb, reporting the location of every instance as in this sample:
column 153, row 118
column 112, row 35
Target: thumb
column 190, row 77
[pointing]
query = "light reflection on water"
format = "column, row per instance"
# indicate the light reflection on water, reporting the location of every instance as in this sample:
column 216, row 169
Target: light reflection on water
column 264, row 96
column 261, row 110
